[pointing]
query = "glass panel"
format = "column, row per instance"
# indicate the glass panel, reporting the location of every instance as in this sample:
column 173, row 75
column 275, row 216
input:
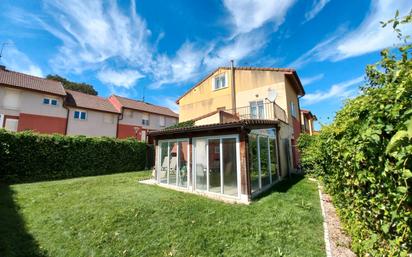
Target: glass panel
column 183, row 162
column 164, row 161
column 261, row 110
column 273, row 159
column 264, row 160
column 173, row 163
column 46, row 101
column 214, row 166
column 253, row 163
column 229, row 166
column 200, row 164
column 253, row 110
column 54, row 102
column 82, row 115
column 76, row 114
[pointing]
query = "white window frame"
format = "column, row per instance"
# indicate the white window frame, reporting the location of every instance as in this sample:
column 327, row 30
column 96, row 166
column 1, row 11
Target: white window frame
column 214, row 88
column 257, row 109
column 162, row 121
column 194, row 177
column 293, row 109
column 159, row 162
column 50, row 101
column 80, row 115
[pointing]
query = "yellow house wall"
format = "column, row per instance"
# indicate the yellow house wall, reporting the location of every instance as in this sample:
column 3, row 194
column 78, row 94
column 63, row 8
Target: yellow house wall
column 252, row 85
column 203, row 99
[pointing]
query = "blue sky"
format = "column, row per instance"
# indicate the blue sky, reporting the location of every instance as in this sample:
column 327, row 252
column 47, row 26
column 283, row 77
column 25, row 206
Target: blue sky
column 161, row 48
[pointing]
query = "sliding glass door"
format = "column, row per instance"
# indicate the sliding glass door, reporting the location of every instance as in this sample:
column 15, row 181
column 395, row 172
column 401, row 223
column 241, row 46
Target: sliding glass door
column 173, row 162
column 262, row 158
column 216, row 164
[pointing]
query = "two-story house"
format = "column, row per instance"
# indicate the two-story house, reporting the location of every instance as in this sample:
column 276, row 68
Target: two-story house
column 138, row 117
column 31, row 103
column 246, row 123
column 308, row 120
column 42, row 105
column 90, row 115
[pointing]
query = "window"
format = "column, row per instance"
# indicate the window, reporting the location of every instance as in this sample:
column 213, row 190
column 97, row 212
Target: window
column 293, row 109
column 162, row 121
column 220, row 81
column 12, row 99
column 79, row 115
column 263, row 158
column 11, row 124
column 257, row 110
column 173, row 163
column 216, row 165
column 108, row 118
column 145, row 119
column 50, row 101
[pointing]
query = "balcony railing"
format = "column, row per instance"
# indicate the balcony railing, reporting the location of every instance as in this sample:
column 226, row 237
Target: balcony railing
column 266, row 111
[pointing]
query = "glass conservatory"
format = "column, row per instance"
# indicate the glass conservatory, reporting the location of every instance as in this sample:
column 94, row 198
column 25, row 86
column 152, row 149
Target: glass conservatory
column 232, row 161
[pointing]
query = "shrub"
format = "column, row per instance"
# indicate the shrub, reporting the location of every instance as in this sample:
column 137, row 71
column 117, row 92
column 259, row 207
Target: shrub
column 365, row 158
column 27, row 156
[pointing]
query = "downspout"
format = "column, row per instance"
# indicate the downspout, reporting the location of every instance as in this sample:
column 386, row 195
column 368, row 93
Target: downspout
column 68, row 114
column 119, row 117
column 232, row 68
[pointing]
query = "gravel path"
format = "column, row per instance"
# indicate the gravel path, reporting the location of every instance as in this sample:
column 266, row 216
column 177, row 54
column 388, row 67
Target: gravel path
column 339, row 241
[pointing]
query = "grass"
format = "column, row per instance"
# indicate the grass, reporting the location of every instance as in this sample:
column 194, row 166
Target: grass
column 113, row 215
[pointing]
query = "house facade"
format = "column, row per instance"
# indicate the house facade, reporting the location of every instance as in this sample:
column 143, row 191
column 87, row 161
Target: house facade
column 28, row 102
column 90, row 115
column 138, row 118
column 308, row 119
column 246, row 91
column 242, row 141
column 41, row 105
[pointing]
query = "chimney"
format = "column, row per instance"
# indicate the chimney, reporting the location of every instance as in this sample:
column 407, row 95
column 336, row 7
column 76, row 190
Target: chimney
column 2, row 67
column 232, row 68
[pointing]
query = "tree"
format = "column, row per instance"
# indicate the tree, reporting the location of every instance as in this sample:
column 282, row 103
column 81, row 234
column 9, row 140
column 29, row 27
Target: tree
column 81, row 87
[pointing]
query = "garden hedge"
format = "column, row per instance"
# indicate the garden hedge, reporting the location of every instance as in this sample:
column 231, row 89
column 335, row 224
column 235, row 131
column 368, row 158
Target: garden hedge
column 364, row 157
column 28, row 156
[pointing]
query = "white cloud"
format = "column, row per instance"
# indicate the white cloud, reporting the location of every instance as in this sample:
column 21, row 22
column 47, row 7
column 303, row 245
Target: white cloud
column 317, row 6
column 170, row 103
column 341, row 90
column 16, row 60
column 95, row 34
column 125, row 78
column 368, row 37
column 252, row 14
column 309, row 80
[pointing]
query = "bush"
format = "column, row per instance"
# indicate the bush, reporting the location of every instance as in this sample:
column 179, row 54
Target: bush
column 27, row 156
column 365, row 158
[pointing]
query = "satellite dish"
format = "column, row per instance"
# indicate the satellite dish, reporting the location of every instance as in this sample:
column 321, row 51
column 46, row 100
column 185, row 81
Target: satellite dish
column 271, row 95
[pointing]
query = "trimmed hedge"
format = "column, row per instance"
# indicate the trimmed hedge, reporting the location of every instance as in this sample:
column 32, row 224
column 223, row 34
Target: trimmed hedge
column 365, row 157
column 28, row 157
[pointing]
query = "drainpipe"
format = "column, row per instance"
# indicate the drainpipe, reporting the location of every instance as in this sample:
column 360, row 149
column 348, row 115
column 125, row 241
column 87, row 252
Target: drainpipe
column 68, row 114
column 232, row 69
column 119, row 117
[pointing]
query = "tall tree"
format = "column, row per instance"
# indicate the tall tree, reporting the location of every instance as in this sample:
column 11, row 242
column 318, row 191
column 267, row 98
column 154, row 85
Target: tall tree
column 81, row 87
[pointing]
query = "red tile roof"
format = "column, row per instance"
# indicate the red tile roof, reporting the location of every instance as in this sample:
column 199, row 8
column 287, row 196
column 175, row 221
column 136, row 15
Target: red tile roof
column 145, row 107
column 92, row 102
column 289, row 72
column 247, row 123
column 20, row 80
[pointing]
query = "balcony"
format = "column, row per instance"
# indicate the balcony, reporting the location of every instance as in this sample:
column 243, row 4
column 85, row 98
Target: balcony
column 259, row 110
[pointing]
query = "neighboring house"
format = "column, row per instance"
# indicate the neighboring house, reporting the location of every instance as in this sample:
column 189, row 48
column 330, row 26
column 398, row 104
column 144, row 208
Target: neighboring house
column 308, row 119
column 42, row 105
column 246, row 122
column 90, row 115
column 31, row 103
column 138, row 117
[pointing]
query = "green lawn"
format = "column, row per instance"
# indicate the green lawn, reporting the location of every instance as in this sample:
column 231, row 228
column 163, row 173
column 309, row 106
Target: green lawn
column 113, row 215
